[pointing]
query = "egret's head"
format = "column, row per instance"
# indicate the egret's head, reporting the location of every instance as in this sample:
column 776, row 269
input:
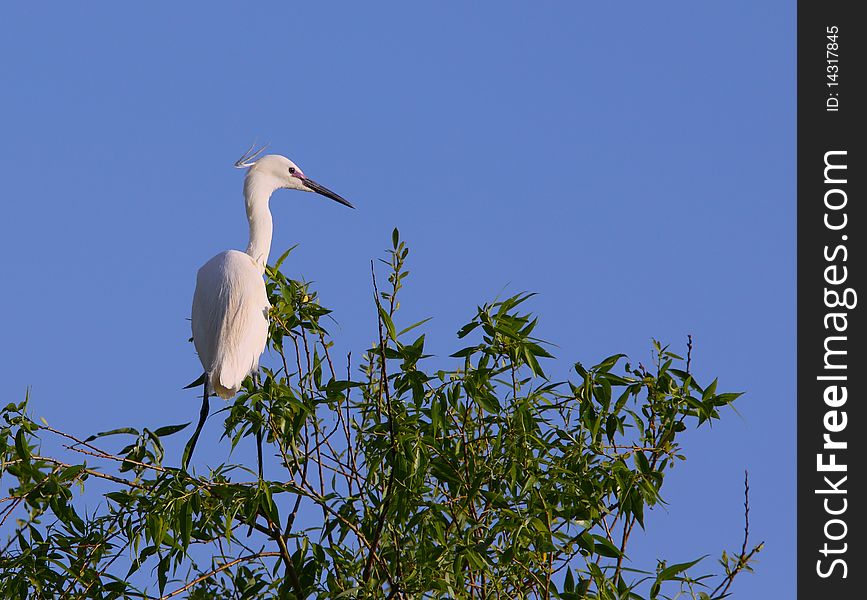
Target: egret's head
column 280, row 172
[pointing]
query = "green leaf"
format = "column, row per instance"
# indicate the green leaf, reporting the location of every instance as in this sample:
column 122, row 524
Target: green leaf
column 162, row 572
column 120, row 430
column 538, row 350
column 605, row 547
column 169, row 429
column 585, row 540
column 283, row 257
column 670, row 572
column 21, row 446
column 709, row 391
column 533, row 363
column 71, row 472
column 389, row 324
column 464, row 352
column 569, row 581
column 641, row 462
column 186, row 522
column 413, row 326
column 539, row 525
column 608, row 363
column 727, row 398
column 611, row 424
column 466, row 329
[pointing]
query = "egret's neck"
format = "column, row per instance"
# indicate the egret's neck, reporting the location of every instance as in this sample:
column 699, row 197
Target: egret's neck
column 257, row 192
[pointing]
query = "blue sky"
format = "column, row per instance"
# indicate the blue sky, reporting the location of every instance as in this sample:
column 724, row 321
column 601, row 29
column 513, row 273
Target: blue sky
column 634, row 165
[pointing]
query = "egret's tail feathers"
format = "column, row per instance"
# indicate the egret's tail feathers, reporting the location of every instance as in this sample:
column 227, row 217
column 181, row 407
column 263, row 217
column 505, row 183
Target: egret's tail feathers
column 223, row 386
column 229, row 373
column 224, row 392
column 217, row 384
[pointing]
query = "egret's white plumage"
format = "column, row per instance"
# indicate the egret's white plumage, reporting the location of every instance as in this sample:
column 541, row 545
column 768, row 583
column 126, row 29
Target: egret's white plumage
column 230, row 304
column 230, row 320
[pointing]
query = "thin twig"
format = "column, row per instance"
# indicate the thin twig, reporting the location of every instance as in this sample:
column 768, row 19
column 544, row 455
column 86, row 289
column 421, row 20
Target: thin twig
column 64, row 465
column 688, row 351
column 383, row 387
column 121, row 459
column 744, row 557
column 222, row 567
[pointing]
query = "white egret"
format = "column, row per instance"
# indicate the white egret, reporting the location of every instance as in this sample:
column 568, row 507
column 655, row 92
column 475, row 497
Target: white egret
column 230, row 304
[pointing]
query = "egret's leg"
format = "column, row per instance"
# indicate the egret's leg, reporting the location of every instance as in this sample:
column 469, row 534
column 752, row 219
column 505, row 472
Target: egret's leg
column 259, row 450
column 258, row 383
column 203, row 415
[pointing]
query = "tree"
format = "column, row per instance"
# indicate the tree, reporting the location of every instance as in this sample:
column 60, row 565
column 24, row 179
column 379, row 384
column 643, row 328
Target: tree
column 483, row 480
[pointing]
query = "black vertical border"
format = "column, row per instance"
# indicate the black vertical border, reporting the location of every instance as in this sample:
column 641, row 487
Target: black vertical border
column 821, row 130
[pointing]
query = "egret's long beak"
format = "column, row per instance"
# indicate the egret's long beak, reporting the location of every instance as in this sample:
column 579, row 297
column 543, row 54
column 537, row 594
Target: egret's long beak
column 321, row 189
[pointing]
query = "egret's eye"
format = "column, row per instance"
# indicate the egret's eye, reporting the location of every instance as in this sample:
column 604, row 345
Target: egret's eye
column 291, row 170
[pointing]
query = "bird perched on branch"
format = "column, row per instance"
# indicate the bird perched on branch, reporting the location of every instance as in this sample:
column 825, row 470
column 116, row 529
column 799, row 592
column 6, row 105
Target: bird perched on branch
column 230, row 304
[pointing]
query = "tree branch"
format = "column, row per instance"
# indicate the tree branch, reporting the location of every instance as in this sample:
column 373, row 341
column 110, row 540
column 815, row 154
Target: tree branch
column 213, row 572
column 744, row 557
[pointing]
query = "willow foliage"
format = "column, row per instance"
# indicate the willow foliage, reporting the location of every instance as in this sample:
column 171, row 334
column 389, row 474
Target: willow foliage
column 385, row 478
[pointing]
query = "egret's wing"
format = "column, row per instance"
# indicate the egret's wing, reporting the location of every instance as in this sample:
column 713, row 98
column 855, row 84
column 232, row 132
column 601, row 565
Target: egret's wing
column 208, row 310
column 229, row 319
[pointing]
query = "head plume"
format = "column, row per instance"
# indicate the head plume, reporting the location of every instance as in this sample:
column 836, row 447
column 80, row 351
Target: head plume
column 250, row 156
